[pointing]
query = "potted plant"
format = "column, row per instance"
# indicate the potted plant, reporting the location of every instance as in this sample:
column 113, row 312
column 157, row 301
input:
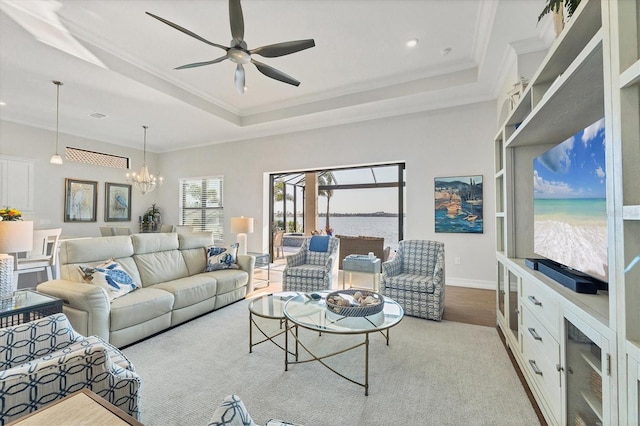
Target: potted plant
column 151, row 219
column 557, row 7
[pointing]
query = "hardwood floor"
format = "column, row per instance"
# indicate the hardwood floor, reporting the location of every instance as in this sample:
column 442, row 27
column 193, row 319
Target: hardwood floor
column 461, row 304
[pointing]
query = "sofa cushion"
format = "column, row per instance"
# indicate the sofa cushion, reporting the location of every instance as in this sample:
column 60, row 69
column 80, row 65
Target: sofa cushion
column 87, row 250
column 154, row 242
column 228, row 279
column 195, row 259
column 160, row 266
column 109, row 276
column 139, row 306
column 190, row 290
column 195, row 240
column 219, row 257
column 410, row 282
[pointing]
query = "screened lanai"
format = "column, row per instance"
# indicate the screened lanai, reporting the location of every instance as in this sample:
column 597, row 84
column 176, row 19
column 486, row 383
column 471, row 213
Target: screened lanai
column 309, row 201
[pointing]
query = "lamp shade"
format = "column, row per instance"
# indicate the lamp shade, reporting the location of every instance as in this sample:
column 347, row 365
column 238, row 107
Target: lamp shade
column 16, row 236
column 242, row 225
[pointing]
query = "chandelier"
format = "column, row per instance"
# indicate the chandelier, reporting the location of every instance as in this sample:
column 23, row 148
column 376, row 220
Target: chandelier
column 144, row 181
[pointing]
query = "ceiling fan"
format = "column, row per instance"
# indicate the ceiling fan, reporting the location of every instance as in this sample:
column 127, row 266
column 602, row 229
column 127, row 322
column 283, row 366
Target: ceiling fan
column 238, row 52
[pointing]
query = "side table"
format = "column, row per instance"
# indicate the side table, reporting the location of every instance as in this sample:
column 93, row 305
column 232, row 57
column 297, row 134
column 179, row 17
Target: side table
column 262, row 260
column 363, row 265
column 27, row 305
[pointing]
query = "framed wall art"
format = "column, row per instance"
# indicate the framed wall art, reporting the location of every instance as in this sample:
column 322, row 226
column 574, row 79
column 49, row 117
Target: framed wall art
column 458, row 204
column 117, row 202
column 80, row 200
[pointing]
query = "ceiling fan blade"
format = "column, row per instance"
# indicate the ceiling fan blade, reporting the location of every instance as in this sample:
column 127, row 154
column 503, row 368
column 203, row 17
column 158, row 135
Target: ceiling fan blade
column 236, row 19
column 274, row 73
column 186, row 31
column 285, row 48
column 239, row 79
column 200, row 64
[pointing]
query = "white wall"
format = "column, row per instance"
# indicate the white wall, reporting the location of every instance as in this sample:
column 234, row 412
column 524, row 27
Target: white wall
column 447, row 142
column 29, row 142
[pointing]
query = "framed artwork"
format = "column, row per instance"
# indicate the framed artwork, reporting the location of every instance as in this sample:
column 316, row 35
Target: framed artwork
column 117, row 202
column 458, row 204
column 80, row 200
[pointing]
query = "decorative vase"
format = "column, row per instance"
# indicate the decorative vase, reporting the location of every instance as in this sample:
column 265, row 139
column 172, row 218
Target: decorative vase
column 558, row 20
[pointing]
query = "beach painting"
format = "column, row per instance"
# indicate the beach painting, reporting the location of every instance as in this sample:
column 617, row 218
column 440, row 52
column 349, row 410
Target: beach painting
column 458, row 204
column 570, row 206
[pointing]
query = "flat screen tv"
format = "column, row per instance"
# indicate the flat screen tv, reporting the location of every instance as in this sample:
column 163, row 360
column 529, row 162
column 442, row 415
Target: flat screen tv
column 570, row 213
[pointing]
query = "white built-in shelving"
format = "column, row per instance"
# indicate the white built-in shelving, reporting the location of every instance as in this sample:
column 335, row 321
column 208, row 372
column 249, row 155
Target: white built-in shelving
column 592, row 70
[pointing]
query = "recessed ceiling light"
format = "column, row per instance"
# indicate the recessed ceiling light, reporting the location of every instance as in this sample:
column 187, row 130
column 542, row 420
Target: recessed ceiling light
column 412, row 42
column 98, row 115
column 2, row 103
column 445, row 51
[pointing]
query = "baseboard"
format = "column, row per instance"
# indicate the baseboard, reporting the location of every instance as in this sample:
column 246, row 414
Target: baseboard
column 465, row 282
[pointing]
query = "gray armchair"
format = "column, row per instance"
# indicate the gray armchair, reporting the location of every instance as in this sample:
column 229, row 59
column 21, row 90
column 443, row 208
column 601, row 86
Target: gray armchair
column 313, row 267
column 45, row 360
column 415, row 278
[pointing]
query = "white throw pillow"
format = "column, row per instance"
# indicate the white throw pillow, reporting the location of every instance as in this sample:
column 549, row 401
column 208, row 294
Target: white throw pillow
column 109, row 276
column 222, row 257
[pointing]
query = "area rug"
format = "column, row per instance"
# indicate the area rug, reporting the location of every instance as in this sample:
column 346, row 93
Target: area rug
column 432, row 373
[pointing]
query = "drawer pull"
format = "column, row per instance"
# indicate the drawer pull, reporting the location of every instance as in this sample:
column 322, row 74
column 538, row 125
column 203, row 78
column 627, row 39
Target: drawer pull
column 559, row 367
column 535, row 301
column 534, row 366
column 534, row 334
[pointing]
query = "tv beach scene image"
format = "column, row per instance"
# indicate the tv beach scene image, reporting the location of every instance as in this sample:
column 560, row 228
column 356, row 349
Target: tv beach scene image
column 570, row 215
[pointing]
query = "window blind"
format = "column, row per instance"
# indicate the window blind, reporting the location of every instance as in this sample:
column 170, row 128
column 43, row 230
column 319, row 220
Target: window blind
column 201, row 204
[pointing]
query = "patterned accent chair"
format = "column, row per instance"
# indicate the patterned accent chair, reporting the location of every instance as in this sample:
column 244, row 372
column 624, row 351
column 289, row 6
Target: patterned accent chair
column 313, row 267
column 232, row 412
column 45, row 360
column 415, row 278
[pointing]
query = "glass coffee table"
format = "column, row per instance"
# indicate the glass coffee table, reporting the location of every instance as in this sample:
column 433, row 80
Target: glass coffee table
column 303, row 311
column 270, row 307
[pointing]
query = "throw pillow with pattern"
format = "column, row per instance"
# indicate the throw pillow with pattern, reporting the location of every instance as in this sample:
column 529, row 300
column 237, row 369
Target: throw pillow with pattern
column 109, row 276
column 222, row 258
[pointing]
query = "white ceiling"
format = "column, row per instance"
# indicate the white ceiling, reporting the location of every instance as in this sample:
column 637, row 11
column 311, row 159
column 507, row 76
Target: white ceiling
column 359, row 69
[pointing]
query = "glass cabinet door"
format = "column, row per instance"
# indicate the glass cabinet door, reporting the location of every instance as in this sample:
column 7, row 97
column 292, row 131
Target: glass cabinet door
column 513, row 303
column 501, row 289
column 584, row 378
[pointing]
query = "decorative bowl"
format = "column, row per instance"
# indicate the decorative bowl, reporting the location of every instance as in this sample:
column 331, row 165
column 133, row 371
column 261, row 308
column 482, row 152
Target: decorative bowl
column 355, row 303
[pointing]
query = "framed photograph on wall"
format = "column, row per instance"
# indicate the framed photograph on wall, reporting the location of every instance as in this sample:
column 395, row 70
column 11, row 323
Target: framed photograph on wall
column 458, row 204
column 80, row 200
column 117, row 202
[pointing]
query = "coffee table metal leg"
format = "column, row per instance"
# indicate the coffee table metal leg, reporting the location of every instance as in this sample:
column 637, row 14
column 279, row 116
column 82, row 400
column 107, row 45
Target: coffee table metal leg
column 286, row 345
column 366, row 364
column 250, row 332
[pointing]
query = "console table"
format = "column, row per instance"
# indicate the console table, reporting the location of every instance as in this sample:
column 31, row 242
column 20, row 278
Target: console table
column 27, row 305
column 363, row 265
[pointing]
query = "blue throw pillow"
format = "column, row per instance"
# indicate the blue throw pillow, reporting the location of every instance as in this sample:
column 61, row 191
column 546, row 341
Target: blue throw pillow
column 319, row 243
column 222, row 258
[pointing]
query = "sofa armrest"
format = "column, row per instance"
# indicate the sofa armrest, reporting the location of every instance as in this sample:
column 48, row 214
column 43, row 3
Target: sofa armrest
column 247, row 263
column 88, row 298
column 297, row 258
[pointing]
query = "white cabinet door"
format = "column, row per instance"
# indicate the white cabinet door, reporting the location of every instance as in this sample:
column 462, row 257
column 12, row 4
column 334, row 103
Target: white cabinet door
column 16, row 183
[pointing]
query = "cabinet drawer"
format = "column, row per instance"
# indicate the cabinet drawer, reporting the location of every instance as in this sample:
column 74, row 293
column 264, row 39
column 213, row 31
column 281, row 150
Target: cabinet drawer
column 539, row 336
column 541, row 368
column 543, row 304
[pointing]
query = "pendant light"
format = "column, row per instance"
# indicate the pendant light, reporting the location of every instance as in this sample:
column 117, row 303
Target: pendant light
column 56, row 158
column 144, row 181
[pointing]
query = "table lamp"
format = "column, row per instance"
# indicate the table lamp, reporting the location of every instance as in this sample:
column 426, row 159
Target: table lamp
column 242, row 226
column 15, row 236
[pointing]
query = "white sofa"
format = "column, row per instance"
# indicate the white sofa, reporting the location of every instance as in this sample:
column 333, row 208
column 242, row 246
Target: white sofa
column 168, row 268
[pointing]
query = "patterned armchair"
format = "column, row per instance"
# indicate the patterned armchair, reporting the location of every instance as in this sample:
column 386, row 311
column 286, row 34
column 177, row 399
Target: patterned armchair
column 45, row 360
column 313, row 267
column 415, row 278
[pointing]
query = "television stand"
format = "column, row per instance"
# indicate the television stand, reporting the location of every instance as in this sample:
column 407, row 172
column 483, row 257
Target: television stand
column 577, row 282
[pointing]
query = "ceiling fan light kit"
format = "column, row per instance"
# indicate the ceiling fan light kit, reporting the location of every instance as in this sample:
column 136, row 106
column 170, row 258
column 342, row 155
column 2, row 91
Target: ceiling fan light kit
column 239, row 54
